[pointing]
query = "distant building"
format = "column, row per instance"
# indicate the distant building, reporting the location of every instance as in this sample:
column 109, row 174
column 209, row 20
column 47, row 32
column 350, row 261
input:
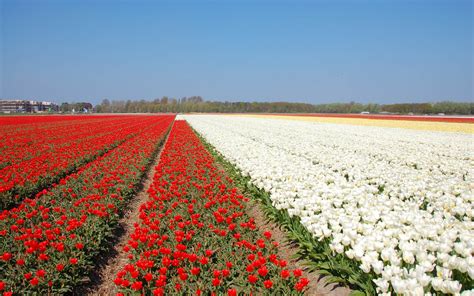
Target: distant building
column 25, row 106
column 13, row 106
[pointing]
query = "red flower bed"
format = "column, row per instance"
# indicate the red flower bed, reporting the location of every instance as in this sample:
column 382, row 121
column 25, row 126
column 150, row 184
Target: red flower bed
column 33, row 156
column 194, row 237
column 48, row 244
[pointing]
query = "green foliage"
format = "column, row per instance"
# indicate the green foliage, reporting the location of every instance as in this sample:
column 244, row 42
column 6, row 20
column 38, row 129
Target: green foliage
column 77, row 107
column 198, row 104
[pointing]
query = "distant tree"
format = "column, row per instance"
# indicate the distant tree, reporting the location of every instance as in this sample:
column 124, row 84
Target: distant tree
column 128, row 105
column 65, row 107
column 198, row 104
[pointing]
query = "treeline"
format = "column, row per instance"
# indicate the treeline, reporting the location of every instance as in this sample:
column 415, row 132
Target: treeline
column 403, row 108
column 426, row 108
column 198, row 104
column 76, row 107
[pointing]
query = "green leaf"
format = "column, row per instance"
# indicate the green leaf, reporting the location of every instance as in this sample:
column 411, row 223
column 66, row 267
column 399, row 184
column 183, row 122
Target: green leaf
column 357, row 293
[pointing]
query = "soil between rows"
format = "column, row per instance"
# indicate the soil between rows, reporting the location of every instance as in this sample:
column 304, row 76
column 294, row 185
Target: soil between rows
column 102, row 282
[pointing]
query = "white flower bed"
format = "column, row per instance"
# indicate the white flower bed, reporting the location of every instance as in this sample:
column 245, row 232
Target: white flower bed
column 398, row 201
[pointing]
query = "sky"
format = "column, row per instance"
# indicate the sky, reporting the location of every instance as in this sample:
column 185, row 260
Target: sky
column 376, row 51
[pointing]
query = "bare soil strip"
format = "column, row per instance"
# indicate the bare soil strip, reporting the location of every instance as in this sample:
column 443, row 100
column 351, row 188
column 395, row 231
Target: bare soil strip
column 103, row 281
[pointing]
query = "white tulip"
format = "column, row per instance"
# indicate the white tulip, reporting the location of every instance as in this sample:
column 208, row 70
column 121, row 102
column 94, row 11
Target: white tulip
column 399, row 286
column 382, row 285
column 408, row 257
column 365, row 266
column 377, row 266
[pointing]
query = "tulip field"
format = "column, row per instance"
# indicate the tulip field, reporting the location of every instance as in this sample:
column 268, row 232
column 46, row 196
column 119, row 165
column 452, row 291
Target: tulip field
column 35, row 155
column 390, row 208
column 381, row 207
column 48, row 241
column 194, row 235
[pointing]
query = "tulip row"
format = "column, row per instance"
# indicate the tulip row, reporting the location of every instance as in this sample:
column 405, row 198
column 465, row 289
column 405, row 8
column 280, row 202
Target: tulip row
column 194, row 236
column 48, row 244
column 393, row 204
column 23, row 138
column 34, row 156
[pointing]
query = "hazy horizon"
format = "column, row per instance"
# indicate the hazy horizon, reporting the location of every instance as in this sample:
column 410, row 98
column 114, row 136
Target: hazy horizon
column 304, row 51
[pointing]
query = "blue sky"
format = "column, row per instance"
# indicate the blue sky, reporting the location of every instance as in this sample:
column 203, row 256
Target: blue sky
column 309, row 51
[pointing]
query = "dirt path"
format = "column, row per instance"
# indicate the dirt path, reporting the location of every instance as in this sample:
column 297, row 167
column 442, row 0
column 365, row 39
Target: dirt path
column 104, row 284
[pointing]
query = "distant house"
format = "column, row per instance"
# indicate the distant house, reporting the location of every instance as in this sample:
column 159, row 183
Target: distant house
column 25, row 106
column 365, row 112
column 13, row 106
